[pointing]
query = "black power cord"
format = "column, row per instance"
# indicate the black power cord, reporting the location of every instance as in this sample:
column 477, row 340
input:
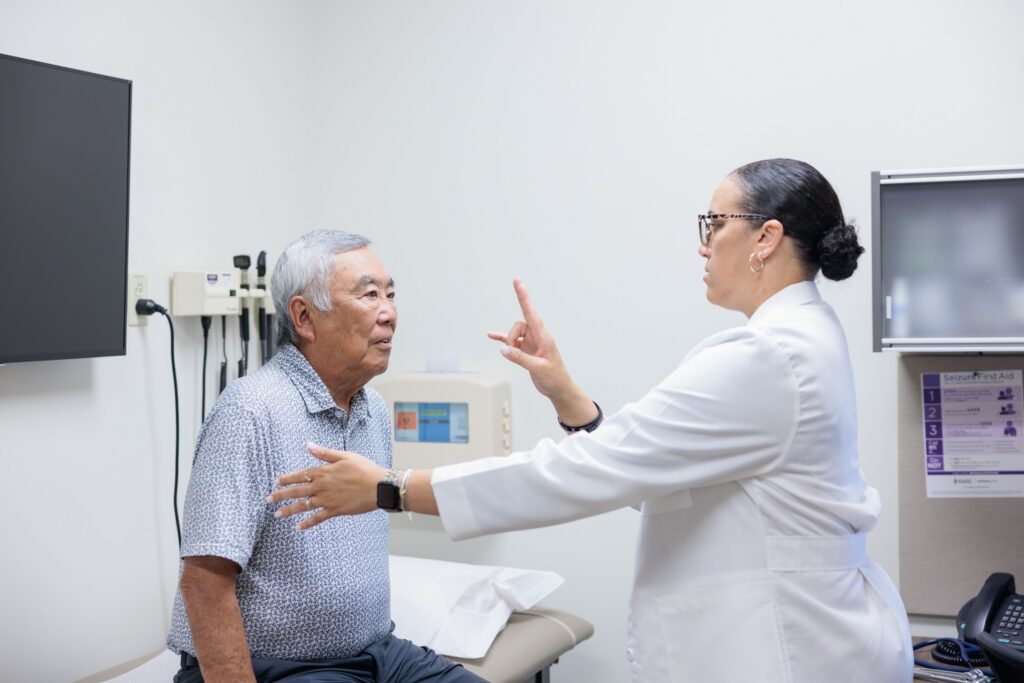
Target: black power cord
column 242, row 262
column 206, row 321
column 261, row 327
column 149, row 307
column 956, row 655
column 223, row 382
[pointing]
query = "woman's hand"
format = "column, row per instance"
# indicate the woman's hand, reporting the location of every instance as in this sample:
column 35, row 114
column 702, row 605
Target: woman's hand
column 529, row 345
column 346, row 485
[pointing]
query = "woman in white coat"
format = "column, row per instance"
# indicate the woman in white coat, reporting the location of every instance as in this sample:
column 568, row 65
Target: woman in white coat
column 751, row 563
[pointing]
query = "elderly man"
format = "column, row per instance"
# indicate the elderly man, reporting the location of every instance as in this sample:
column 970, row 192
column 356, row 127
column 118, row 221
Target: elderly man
column 259, row 600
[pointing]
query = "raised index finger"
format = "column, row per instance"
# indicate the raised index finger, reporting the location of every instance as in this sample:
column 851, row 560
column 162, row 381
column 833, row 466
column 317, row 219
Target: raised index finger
column 529, row 312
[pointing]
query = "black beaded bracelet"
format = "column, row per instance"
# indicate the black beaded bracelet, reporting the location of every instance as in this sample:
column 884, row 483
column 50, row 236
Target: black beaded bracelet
column 589, row 427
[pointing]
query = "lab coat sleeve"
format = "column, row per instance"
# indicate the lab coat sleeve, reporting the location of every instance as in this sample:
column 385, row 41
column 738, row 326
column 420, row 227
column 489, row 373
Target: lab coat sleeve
column 728, row 412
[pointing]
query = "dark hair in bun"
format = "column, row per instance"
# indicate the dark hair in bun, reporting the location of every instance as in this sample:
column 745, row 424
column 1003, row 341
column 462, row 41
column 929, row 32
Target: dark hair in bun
column 798, row 196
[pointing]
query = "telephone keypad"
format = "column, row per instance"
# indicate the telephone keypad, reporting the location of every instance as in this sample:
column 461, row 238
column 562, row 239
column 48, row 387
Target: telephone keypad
column 1011, row 621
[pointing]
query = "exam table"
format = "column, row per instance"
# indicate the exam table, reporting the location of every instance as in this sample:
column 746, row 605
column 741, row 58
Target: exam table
column 532, row 641
column 486, row 617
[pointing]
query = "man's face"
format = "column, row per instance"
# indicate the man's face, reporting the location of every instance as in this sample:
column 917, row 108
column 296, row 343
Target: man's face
column 354, row 338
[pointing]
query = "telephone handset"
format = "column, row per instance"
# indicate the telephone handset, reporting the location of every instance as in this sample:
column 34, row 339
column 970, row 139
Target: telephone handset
column 997, row 610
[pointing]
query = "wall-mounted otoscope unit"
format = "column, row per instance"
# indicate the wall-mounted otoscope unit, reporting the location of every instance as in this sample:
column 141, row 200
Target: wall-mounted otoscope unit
column 226, row 293
column 205, row 294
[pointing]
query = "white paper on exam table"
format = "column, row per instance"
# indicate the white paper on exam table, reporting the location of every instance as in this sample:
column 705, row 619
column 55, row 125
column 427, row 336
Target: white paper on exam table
column 458, row 609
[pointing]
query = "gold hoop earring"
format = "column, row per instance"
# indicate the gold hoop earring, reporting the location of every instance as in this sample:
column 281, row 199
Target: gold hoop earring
column 750, row 262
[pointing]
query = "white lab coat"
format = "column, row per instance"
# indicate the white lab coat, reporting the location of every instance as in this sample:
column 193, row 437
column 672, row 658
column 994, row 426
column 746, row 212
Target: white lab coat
column 751, row 562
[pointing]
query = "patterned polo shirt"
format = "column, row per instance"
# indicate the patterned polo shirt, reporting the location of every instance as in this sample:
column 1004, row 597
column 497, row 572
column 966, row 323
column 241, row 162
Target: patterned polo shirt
column 314, row 594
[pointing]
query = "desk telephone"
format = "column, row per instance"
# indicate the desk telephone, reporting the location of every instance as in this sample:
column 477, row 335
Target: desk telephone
column 997, row 610
column 994, row 622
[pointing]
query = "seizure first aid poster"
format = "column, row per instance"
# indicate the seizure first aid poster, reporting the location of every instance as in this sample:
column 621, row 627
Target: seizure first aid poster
column 973, row 434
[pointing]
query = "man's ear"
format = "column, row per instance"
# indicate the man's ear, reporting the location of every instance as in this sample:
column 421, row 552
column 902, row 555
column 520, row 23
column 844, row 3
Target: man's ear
column 300, row 311
column 769, row 237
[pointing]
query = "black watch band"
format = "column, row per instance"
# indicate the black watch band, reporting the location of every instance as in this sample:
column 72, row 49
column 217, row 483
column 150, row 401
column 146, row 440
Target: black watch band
column 589, row 427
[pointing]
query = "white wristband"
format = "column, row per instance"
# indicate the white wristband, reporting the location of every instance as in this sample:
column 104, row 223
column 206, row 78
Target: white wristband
column 403, row 487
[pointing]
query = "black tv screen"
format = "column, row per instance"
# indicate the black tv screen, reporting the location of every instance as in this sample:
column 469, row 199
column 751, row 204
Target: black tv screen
column 64, row 155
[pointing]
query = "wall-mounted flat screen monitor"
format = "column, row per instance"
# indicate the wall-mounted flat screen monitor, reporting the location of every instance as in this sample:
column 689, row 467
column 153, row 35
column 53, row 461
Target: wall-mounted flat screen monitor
column 64, row 157
column 948, row 261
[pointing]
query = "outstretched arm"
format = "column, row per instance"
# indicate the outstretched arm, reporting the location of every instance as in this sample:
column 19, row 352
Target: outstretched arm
column 345, row 485
column 529, row 345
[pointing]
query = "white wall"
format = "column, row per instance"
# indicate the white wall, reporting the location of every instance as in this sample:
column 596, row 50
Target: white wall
column 221, row 164
column 571, row 143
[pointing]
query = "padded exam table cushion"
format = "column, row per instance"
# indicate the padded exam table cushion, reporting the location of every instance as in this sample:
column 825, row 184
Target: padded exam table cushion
column 531, row 641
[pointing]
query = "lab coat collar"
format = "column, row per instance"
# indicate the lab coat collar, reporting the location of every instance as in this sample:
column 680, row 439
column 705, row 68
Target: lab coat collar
column 311, row 388
column 805, row 292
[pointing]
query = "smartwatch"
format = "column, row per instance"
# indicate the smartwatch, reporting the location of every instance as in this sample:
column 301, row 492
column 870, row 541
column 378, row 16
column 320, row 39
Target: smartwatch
column 389, row 494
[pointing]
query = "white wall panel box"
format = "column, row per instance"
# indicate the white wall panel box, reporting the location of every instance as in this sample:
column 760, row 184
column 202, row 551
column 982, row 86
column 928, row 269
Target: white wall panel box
column 206, row 292
column 442, row 418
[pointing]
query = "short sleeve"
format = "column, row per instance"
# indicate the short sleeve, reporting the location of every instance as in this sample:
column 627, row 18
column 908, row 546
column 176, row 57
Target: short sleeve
column 225, row 506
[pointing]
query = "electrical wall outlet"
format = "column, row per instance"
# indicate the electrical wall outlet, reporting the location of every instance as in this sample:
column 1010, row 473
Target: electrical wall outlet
column 138, row 288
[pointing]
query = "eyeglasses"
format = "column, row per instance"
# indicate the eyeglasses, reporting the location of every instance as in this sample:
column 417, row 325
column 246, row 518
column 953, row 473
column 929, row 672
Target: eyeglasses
column 705, row 223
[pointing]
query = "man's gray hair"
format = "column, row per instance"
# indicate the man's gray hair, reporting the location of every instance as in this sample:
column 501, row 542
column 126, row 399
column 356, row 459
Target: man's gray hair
column 304, row 269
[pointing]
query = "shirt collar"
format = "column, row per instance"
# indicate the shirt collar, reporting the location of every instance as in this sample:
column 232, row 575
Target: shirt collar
column 311, row 387
column 797, row 294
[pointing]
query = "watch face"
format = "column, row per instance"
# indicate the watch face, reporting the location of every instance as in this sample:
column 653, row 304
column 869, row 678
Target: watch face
column 388, row 497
